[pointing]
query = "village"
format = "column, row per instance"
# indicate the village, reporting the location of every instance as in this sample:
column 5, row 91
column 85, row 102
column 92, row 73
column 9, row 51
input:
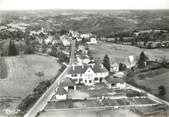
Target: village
column 59, row 68
column 89, row 84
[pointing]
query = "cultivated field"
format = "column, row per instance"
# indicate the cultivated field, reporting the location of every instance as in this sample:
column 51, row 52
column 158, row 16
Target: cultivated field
column 119, row 53
column 23, row 74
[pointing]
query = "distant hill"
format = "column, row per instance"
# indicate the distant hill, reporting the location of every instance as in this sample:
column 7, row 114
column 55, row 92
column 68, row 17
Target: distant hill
column 101, row 22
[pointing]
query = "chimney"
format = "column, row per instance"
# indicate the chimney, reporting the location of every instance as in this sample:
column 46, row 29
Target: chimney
column 92, row 65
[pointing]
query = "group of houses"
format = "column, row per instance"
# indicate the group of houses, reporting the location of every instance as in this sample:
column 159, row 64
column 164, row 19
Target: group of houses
column 88, row 37
column 90, row 74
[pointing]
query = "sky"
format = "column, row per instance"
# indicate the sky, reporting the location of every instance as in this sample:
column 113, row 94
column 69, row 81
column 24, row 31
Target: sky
column 83, row 4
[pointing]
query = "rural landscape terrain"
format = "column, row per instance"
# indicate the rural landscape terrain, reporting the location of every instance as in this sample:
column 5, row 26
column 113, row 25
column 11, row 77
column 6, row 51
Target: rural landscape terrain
column 84, row 63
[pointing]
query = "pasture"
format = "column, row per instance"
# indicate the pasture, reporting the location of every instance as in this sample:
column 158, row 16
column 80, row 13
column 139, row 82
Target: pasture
column 23, row 74
column 154, row 81
column 119, row 53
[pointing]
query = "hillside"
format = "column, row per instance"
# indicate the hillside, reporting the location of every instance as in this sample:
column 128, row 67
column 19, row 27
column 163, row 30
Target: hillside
column 102, row 22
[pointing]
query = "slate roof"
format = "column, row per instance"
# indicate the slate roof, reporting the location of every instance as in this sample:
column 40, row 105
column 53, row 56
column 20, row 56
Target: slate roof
column 80, row 69
column 67, row 82
column 61, row 91
column 112, row 80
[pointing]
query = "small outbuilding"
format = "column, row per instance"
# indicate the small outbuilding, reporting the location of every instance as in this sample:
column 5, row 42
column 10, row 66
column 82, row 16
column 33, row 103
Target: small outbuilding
column 115, row 82
column 60, row 94
column 68, row 84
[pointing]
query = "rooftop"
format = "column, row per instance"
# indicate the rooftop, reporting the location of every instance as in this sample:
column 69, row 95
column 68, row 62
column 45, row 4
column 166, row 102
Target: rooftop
column 114, row 80
column 80, row 69
column 67, row 82
column 61, row 91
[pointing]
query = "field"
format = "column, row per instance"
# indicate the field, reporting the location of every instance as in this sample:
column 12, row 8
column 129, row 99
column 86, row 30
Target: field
column 154, row 81
column 23, row 74
column 89, row 113
column 119, row 53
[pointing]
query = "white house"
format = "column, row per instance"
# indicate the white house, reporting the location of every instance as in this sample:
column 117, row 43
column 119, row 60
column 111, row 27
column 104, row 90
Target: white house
column 66, row 40
column 114, row 67
column 60, row 94
column 87, row 35
column 130, row 61
column 49, row 39
column 87, row 74
column 93, row 40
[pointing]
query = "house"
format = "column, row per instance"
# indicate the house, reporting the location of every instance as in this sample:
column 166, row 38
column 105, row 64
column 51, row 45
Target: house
column 82, row 49
column 130, row 61
column 119, row 75
column 82, row 60
column 87, row 74
column 68, row 84
column 87, row 35
column 48, row 39
column 66, row 40
column 115, row 82
column 114, row 67
column 60, row 94
column 92, row 40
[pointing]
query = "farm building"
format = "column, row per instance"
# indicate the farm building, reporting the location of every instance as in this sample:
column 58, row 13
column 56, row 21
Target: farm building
column 93, row 40
column 60, row 94
column 66, row 40
column 68, row 84
column 115, row 82
column 87, row 74
column 114, row 67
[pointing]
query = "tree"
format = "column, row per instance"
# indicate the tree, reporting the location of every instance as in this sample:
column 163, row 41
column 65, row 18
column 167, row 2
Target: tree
column 142, row 59
column 122, row 67
column 12, row 49
column 106, row 62
column 161, row 90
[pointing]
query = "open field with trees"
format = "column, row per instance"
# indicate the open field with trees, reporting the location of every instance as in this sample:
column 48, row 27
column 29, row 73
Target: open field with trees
column 24, row 73
column 154, row 79
column 150, row 79
column 119, row 53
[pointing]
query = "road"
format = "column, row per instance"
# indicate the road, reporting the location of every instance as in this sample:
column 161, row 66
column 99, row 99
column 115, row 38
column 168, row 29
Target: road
column 42, row 101
column 72, row 55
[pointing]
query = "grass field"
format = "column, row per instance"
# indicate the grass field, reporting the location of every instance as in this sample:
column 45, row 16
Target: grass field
column 154, row 81
column 22, row 74
column 119, row 53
